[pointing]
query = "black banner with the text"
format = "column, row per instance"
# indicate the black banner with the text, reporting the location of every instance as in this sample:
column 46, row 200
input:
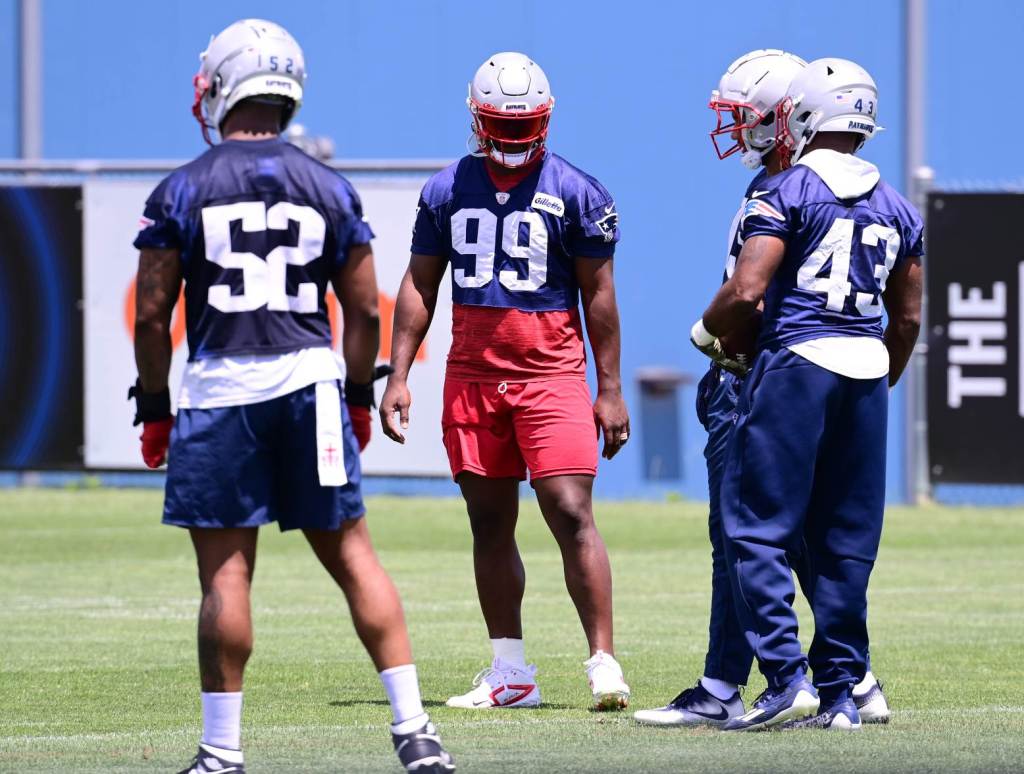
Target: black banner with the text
column 975, row 278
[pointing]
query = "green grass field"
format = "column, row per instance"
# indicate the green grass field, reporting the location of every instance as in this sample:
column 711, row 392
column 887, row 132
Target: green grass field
column 97, row 665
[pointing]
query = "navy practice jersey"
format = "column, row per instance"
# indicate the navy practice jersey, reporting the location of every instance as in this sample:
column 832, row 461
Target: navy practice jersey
column 735, row 235
column 261, row 228
column 515, row 249
column 839, row 254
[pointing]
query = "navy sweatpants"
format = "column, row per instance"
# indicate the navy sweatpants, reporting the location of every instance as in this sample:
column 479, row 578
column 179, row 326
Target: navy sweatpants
column 729, row 655
column 805, row 470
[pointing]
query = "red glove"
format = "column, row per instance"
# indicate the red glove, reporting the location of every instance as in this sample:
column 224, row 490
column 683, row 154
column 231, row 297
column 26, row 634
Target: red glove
column 359, row 398
column 153, row 412
column 156, row 437
column 361, row 424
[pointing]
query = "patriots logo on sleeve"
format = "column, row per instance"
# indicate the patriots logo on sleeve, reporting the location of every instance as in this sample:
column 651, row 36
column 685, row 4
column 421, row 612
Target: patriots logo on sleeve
column 609, row 222
column 760, row 207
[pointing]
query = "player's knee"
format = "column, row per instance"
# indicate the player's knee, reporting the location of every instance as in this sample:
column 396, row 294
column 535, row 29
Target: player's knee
column 571, row 517
column 491, row 531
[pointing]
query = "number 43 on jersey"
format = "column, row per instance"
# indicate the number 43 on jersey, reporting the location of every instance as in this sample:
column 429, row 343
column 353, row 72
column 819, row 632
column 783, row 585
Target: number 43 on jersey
column 838, row 245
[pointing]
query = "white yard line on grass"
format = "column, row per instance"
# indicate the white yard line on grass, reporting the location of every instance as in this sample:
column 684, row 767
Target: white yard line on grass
column 494, row 719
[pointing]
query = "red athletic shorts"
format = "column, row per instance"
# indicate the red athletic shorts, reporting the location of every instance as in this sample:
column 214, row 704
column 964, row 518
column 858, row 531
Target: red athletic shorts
column 503, row 429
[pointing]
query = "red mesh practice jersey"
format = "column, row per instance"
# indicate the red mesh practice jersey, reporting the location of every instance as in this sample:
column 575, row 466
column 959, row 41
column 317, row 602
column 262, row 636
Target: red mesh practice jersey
column 503, row 344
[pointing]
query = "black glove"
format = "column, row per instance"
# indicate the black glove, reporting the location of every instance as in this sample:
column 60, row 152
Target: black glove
column 150, row 406
column 362, row 394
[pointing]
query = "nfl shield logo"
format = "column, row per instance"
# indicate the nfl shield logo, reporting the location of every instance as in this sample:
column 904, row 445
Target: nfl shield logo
column 501, row 196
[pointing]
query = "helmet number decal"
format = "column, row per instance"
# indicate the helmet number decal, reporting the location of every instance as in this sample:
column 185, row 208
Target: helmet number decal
column 264, row 280
column 274, row 64
column 523, row 236
column 859, row 107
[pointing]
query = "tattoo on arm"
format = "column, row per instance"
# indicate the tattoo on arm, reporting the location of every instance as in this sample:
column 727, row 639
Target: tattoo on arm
column 156, row 291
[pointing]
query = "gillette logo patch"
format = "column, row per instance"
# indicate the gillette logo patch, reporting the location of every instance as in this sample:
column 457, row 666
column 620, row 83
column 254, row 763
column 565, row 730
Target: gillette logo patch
column 548, row 203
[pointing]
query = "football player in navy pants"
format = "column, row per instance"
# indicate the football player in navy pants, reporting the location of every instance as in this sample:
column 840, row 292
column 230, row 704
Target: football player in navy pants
column 258, row 230
column 825, row 244
column 746, row 104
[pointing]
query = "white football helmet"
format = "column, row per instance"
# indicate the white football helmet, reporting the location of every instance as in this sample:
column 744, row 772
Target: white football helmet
column 747, row 99
column 511, row 103
column 252, row 58
column 830, row 95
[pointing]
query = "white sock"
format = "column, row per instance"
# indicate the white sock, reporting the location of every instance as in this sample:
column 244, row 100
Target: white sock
column 403, row 690
column 222, row 719
column 231, row 756
column 510, row 650
column 864, row 685
column 410, row 725
column 720, row 689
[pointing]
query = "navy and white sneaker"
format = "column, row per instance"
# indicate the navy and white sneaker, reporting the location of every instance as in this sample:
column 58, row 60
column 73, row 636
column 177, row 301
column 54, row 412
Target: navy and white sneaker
column 693, row 707
column 211, row 759
column 797, row 700
column 841, row 716
column 872, row 705
column 420, row 750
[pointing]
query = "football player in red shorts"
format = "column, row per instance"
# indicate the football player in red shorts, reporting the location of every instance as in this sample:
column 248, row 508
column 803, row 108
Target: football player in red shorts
column 527, row 236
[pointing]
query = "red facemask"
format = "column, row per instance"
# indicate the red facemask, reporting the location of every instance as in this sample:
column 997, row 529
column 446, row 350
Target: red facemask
column 510, row 133
column 201, row 86
column 730, row 122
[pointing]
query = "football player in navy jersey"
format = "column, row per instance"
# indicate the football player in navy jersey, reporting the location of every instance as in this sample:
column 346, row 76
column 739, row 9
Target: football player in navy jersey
column 257, row 230
column 746, row 105
column 826, row 243
column 526, row 234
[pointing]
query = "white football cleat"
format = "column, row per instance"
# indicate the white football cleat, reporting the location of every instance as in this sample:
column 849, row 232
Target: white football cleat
column 871, row 701
column 501, row 685
column 606, row 682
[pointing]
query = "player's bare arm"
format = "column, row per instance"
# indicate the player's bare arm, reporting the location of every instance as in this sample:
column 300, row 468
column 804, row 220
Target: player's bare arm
column 414, row 309
column 355, row 284
column 737, row 300
column 597, row 292
column 902, row 299
column 156, row 291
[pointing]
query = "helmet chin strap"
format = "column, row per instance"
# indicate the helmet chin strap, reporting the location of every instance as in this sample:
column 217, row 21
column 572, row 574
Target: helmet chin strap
column 473, row 146
column 800, row 146
column 510, row 160
column 752, row 159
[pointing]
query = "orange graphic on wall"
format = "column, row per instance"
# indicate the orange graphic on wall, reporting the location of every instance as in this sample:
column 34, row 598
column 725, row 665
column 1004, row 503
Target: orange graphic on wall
column 177, row 318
